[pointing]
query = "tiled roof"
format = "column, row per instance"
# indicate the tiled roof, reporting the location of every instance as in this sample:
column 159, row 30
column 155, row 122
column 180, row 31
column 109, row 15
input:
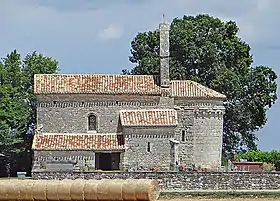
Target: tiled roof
column 155, row 117
column 191, row 89
column 58, row 141
column 95, row 83
column 117, row 84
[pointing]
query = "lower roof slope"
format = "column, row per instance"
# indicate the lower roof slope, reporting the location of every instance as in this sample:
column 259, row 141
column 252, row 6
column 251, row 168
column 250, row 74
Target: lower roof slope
column 77, row 141
column 152, row 117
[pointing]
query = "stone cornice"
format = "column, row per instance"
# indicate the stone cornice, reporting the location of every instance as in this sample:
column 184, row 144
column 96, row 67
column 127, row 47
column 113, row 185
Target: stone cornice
column 65, row 104
column 146, row 136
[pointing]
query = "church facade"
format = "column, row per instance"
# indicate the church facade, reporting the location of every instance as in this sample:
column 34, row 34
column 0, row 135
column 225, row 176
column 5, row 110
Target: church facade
column 88, row 122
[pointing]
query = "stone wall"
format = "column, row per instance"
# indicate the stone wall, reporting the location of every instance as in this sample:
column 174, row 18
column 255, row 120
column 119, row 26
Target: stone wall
column 183, row 180
column 208, row 129
column 186, row 146
column 201, row 122
column 199, row 131
column 59, row 160
column 68, row 114
column 147, row 147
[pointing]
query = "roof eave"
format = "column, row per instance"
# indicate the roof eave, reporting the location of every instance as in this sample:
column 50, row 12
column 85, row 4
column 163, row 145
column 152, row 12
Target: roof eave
column 199, row 98
column 91, row 149
column 96, row 93
column 151, row 125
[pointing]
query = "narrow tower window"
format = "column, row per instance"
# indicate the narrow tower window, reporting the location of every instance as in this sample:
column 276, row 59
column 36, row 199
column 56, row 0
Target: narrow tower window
column 92, row 122
column 149, row 147
column 183, row 135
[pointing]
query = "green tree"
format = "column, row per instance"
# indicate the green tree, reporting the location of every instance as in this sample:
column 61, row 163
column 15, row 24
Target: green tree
column 35, row 63
column 14, row 110
column 206, row 50
column 17, row 100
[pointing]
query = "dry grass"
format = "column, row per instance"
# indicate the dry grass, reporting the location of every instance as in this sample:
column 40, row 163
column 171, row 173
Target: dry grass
column 223, row 199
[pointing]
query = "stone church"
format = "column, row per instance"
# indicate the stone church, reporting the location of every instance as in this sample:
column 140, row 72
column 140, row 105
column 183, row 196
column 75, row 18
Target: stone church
column 89, row 122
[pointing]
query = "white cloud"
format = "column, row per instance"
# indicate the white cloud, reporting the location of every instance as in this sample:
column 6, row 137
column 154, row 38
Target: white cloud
column 111, row 32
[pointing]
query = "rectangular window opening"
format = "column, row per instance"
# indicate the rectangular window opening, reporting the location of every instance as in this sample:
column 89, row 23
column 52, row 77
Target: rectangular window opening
column 183, row 136
column 149, row 147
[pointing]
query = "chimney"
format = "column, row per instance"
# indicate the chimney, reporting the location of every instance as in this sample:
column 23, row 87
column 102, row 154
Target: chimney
column 164, row 56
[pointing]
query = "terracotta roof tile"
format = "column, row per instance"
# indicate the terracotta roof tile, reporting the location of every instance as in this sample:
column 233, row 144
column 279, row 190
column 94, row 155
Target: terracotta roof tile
column 156, row 117
column 58, row 141
column 95, row 83
column 117, row 84
column 191, row 89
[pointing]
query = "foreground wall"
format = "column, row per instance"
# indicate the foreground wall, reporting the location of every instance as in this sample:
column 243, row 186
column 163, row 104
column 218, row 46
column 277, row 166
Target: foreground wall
column 183, row 180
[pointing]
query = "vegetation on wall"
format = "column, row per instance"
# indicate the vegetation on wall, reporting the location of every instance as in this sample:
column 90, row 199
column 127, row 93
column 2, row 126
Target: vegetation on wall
column 17, row 100
column 206, row 50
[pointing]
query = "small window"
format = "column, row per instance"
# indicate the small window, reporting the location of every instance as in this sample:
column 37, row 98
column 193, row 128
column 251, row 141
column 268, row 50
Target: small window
column 149, row 147
column 92, row 122
column 183, row 136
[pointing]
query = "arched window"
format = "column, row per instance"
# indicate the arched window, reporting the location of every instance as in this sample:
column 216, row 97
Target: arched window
column 92, row 122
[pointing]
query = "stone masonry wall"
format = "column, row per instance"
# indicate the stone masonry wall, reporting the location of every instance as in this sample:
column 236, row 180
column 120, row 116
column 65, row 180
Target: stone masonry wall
column 58, row 160
column 208, row 131
column 68, row 114
column 183, row 180
column 202, row 124
column 138, row 157
column 186, row 146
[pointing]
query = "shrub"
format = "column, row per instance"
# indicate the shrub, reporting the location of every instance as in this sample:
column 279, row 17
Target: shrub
column 272, row 157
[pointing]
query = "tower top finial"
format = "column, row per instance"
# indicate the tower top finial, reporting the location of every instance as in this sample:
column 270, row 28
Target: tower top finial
column 163, row 18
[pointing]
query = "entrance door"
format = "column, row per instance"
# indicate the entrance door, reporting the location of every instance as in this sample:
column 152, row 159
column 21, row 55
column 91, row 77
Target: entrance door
column 107, row 161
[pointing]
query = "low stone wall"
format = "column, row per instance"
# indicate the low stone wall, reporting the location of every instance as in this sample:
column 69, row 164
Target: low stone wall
column 183, row 180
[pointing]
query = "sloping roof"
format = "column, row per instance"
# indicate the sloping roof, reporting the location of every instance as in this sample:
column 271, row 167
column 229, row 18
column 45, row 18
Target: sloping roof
column 95, row 84
column 155, row 117
column 191, row 89
column 59, row 141
column 118, row 84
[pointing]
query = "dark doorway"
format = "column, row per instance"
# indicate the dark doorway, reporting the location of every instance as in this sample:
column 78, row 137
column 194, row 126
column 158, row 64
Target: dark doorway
column 107, row 161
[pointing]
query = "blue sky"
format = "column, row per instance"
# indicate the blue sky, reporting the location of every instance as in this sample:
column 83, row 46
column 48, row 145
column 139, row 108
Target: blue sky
column 93, row 36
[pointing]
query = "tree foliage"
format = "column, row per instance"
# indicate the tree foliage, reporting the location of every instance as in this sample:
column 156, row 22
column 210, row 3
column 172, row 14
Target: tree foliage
column 17, row 100
column 262, row 156
column 206, row 50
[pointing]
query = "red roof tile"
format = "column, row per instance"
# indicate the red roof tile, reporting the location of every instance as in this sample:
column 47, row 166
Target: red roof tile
column 155, row 117
column 57, row 141
column 95, row 84
column 191, row 89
